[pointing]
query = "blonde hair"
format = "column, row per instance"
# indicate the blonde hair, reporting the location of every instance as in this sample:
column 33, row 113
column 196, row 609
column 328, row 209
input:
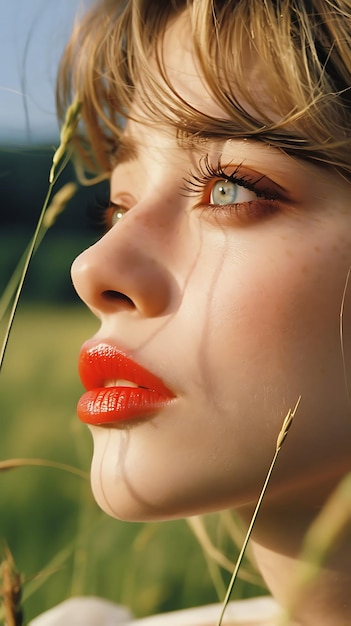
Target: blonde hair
column 302, row 49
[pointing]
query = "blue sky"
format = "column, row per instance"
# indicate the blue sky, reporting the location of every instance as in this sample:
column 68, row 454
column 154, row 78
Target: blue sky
column 32, row 36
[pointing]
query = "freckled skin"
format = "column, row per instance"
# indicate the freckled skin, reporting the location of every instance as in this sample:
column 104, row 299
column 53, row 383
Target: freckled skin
column 239, row 319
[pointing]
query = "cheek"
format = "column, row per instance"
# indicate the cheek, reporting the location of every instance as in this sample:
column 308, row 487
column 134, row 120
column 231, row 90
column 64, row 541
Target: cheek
column 277, row 305
column 273, row 334
column 253, row 333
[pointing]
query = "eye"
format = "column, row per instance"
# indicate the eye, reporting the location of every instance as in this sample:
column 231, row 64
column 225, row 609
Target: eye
column 115, row 214
column 233, row 192
column 227, row 192
column 102, row 217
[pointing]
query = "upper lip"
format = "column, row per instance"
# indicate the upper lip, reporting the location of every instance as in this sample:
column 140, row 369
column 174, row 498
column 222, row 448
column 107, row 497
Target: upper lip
column 101, row 363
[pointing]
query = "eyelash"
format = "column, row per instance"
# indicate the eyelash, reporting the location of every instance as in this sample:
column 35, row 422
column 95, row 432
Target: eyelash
column 198, row 180
column 196, row 184
column 98, row 215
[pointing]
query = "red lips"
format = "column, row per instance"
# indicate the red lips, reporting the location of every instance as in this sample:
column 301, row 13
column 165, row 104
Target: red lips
column 103, row 369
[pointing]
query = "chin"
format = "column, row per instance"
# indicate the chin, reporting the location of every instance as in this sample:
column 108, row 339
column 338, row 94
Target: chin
column 137, row 499
column 131, row 486
column 135, row 480
column 142, row 502
column 122, row 503
column 127, row 498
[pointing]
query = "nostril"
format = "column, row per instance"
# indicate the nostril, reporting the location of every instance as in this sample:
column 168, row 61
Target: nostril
column 116, row 296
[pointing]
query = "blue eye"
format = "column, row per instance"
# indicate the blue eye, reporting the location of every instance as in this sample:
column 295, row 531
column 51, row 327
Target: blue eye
column 233, row 193
column 224, row 192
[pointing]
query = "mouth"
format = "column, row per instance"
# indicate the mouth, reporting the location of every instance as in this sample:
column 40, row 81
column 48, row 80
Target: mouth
column 118, row 388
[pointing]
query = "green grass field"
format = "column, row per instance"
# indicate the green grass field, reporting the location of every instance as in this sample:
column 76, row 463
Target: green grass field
column 62, row 543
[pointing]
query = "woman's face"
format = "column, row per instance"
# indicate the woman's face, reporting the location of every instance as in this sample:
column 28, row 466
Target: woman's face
column 227, row 286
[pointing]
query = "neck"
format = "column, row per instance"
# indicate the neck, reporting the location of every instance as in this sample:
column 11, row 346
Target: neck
column 278, row 540
column 326, row 602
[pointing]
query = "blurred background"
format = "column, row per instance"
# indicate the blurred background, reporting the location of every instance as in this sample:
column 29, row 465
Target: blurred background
column 32, row 36
column 62, row 544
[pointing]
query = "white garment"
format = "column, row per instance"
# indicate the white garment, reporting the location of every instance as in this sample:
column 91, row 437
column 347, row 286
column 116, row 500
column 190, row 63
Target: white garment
column 84, row 611
column 91, row 611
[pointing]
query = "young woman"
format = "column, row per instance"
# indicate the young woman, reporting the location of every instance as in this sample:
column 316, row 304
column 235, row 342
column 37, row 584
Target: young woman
column 222, row 280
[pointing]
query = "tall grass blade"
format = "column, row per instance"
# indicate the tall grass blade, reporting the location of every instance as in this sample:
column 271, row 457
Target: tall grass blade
column 280, row 440
column 57, row 205
column 60, row 158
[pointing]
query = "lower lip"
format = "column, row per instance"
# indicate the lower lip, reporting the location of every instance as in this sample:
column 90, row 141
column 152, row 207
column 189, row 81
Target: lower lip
column 109, row 405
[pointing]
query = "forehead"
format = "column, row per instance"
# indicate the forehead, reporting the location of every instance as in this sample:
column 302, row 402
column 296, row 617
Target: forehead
column 186, row 76
column 203, row 100
column 183, row 69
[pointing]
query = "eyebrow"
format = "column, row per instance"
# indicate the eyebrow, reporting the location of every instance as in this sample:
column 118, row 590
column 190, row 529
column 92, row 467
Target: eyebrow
column 274, row 137
column 127, row 148
column 126, row 151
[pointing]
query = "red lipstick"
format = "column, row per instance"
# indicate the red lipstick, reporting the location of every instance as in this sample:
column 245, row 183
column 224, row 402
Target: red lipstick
column 118, row 389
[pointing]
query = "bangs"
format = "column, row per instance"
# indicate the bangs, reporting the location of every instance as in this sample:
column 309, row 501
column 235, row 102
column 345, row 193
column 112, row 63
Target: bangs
column 300, row 52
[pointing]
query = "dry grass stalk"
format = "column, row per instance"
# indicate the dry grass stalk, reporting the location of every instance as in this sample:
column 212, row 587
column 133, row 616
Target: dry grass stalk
column 11, row 592
column 197, row 526
column 280, row 440
column 10, row 464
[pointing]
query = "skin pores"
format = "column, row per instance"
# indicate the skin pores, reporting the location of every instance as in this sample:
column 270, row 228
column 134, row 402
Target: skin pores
column 235, row 307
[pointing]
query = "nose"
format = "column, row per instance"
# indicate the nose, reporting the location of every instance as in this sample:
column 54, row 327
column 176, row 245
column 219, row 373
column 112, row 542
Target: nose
column 125, row 270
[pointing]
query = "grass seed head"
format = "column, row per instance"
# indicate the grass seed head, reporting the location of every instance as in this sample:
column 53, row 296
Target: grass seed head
column 58, row 204
column 67, row 132
column 11, row 591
